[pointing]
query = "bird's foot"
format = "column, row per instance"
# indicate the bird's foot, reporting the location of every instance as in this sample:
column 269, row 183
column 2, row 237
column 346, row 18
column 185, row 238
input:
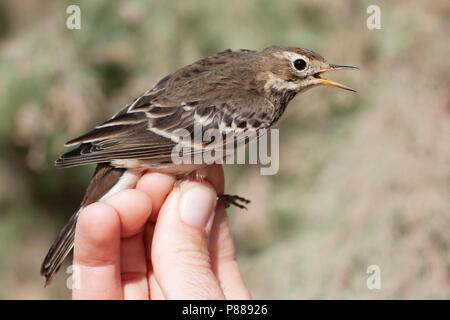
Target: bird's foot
column 229, row 199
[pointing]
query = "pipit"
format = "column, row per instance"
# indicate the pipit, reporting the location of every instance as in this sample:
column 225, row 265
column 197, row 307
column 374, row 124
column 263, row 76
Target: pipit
column 229, row 91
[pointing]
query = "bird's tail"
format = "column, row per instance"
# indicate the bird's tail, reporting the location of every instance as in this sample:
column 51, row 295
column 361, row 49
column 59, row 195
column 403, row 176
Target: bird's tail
column 105, row 182
column 59, row 249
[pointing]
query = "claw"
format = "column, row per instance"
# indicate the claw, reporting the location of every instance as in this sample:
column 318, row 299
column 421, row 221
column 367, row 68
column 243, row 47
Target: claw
column 228, row 200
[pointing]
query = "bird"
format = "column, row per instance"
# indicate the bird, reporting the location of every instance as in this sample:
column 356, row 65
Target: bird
column 229, row 91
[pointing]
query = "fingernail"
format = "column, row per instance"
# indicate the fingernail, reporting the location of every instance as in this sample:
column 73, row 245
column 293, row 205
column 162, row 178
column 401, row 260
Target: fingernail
column 197, row 205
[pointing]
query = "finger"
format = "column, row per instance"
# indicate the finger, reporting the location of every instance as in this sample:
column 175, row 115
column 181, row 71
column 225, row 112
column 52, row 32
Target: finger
column 155, row 290
column 223, row 255
column 180, row 252
column 223, row 258
column 134, row 208
column 214, row 174
column 96, row 254
column 133, row 268
column 157, row 186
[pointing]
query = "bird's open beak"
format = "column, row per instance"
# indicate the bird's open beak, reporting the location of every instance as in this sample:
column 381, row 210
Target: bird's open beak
column 327, row 82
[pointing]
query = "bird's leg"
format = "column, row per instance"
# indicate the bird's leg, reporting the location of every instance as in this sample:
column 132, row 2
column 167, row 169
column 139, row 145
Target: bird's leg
column 232, row 199
column 196, row 175
column 227, row 199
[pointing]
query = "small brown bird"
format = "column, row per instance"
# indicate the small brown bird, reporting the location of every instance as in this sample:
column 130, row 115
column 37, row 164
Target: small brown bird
column 229, row 91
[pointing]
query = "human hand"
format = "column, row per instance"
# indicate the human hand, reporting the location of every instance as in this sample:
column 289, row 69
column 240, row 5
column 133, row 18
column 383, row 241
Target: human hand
column 155, row 242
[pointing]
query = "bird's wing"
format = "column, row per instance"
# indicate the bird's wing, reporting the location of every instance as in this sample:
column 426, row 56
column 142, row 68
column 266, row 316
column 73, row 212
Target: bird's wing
column 151, row 125
column 150, row 130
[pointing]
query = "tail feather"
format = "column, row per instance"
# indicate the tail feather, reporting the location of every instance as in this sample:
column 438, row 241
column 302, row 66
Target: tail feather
column 59, row 249
column 105, row 182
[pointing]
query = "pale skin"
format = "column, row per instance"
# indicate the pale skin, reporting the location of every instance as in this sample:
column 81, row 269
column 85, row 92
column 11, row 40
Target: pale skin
column 158, row 242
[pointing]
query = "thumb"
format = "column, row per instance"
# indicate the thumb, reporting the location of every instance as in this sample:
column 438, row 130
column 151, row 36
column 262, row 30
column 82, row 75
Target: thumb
column 180, row 246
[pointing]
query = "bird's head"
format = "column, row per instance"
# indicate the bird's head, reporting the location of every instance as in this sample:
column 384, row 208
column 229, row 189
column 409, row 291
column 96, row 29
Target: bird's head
column 293, row 70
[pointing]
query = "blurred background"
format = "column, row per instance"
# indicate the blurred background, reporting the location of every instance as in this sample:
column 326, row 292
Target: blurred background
column 364, row 178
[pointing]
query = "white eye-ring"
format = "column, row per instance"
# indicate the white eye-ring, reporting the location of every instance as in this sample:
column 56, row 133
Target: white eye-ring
column 298, row 61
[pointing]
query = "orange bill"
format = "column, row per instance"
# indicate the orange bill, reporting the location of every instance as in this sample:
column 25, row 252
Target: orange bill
column 334, row 67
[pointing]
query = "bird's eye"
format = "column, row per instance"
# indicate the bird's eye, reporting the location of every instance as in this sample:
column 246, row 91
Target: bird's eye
column 300, row 64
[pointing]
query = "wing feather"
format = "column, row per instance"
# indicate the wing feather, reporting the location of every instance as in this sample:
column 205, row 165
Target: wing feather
column 148, row 127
